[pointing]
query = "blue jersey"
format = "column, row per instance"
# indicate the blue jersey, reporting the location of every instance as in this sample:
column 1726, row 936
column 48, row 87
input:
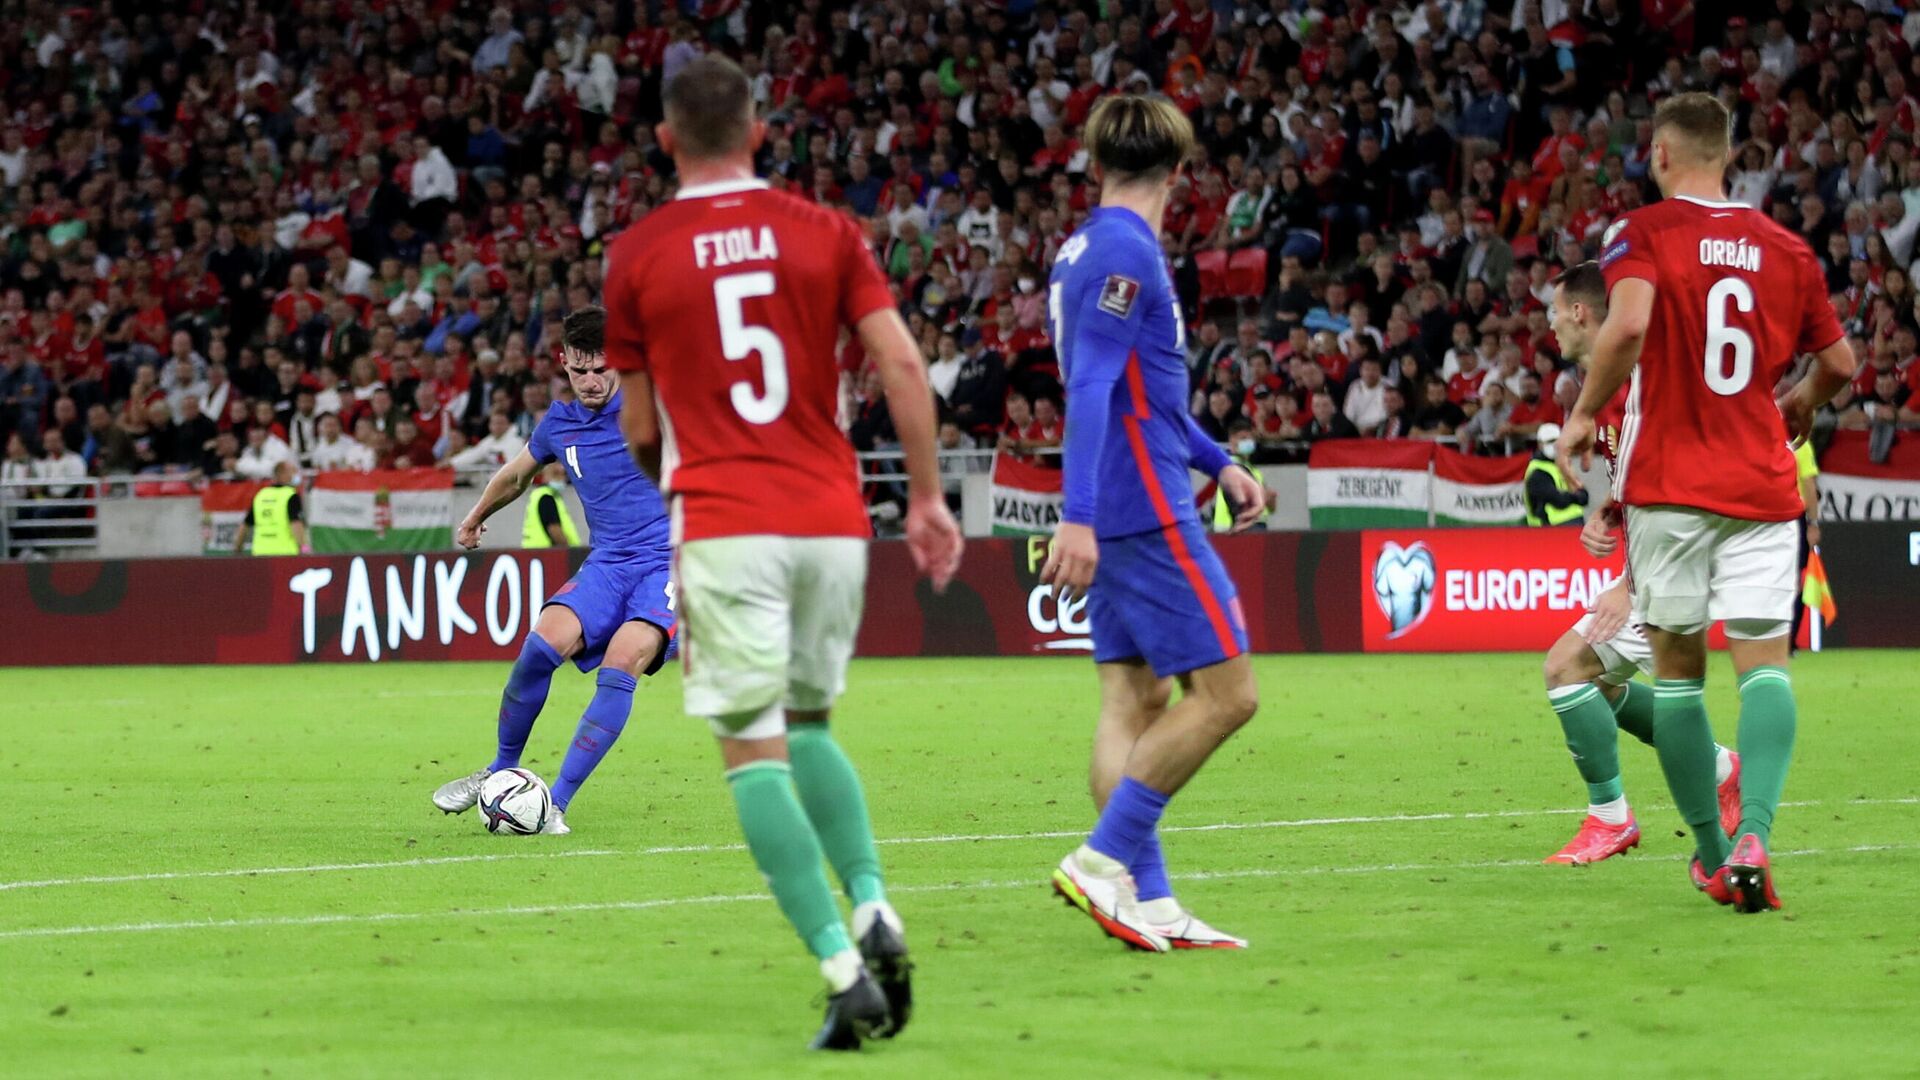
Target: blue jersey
column 1122, row 346
column 627, row 517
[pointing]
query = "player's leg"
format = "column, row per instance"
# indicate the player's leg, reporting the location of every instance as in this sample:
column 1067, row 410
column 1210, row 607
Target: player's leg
column 736, row 618
column 829, row 594
column 556, row 635
column 1132, row 697
column 1753, row 587
column 635, row 650
column 1671, row 550
column 1577, row 689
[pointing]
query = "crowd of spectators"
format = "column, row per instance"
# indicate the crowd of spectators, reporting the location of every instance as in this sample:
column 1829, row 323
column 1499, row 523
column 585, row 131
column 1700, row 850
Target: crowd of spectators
column 344, row 232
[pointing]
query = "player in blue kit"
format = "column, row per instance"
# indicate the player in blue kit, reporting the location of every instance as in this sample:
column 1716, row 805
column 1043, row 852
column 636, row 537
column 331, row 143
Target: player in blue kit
column 617, row 612
column 1159, row 601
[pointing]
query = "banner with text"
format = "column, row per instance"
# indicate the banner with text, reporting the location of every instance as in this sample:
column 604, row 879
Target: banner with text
column 1026, row 496
column 1380, row 483
column 1473, row 590
column 223, row 506
column 1853, row 488
column 394, row 510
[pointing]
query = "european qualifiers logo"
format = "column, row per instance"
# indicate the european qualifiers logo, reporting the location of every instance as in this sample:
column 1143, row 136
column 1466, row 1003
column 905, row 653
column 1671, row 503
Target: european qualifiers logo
column 1403, row 581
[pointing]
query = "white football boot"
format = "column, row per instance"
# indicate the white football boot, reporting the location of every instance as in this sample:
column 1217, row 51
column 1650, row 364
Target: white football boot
column 556, row 823
column 1188, row 932
column 1104, row 890
column 459, row 796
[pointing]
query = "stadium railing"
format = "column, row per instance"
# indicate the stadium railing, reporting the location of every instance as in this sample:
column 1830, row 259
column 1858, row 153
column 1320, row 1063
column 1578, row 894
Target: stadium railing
column 36, row 522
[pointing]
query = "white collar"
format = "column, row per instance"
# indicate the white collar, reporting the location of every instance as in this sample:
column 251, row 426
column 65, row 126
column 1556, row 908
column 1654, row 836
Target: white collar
column 721, row 187
column 1713, row 205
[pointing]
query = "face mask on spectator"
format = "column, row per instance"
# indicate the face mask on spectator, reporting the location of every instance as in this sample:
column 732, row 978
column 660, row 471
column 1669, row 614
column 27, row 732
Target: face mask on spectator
column 1027, row 284
column 1244, row 448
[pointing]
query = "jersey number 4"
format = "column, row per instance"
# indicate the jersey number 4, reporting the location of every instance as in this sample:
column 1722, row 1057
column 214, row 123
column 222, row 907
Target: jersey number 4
column 740, row 339
column 1728, row 375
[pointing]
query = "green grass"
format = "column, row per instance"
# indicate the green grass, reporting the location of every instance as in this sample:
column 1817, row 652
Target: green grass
column 1425, row 947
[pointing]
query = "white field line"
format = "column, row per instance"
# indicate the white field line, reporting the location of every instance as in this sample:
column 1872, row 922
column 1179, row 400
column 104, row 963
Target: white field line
column 956, row 838
column 730, row 898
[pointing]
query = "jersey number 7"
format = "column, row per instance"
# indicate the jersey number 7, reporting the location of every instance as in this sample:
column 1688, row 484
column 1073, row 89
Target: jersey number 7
column 740, row 339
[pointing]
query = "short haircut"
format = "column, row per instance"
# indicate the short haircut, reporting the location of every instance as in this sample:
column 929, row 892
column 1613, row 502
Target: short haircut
column 1584, row 284
column 709, row 106
column 1701, row 122
column 1133, row 137
column 585, row 330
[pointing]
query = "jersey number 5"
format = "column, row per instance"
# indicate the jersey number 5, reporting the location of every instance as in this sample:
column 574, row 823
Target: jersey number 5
column 1727, row 376
column 739, row 339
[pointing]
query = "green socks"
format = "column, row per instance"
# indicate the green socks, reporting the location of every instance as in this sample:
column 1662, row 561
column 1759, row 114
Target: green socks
column 1592, row 738
column 1767, row 720
column 1634, row 711
column 830, row 790
column 788, row 854
column 1684, row 742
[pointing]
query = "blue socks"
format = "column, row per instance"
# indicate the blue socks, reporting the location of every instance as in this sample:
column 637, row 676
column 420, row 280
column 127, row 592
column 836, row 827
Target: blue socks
column 600, row 726
column 1128, row 822
column 525, row 696
column 1149, row 870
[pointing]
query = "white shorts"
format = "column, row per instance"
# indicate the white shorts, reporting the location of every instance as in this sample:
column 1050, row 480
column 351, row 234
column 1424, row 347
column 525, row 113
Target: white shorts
column 1622, row 654
column 767, row 622
column 1693, row 567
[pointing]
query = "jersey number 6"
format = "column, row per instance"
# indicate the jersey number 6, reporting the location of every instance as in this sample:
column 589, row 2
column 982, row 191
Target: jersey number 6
column 739, row 339
column 1723, row 378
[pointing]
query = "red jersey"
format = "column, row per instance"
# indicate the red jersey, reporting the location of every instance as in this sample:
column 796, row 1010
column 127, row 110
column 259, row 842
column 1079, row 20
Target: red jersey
column 732, row 298
column 1736, row 298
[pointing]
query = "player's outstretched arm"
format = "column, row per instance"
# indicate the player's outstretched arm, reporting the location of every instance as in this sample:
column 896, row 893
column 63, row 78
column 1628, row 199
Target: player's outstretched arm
column 932, row 535
column 506, row 485
column 638, row 424
column 1616, row 348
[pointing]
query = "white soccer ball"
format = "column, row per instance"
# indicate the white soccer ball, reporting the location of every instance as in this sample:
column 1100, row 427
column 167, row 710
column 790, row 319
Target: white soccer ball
column 514, row 801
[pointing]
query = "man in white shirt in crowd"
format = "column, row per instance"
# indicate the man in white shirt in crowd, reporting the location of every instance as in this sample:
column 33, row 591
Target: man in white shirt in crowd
column 263, row 451
column 501, row 445
column 1366, row 402
column 334, row 451
column 943, row 372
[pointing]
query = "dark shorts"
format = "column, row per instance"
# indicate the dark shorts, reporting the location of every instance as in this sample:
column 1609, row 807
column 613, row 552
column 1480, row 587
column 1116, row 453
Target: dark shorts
column 1164, row 597
column 606, row 595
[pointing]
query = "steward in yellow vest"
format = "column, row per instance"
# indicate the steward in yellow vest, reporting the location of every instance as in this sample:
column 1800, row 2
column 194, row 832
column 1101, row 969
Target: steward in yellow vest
column 275, row 523
column 547, row 522
column 1551, row 497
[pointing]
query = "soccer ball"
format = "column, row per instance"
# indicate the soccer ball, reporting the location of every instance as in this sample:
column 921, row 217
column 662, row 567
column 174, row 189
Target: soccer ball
column 514, row 801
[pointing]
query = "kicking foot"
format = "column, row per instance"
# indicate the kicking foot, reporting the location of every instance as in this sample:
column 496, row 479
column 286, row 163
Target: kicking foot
column 459, row 796
column 854, row 1015
column 883, row 945
column 1729, row 792
column 556, row 823
column 1188, row 932
column 1750, row 877
column 1109, row 900
column 1597, row 840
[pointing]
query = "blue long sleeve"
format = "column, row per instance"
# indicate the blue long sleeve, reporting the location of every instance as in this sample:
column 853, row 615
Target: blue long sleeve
column 1203, row 453
column 1089, row 412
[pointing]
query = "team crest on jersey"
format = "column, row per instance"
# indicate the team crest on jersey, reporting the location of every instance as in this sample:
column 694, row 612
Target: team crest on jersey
column 1118, row 294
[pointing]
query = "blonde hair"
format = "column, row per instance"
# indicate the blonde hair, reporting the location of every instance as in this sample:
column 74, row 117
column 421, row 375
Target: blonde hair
column 1133, row 137
column 1702, row 123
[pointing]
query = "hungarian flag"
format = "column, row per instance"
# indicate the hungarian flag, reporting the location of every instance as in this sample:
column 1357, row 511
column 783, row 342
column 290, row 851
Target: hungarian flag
column 223, row 506
column 1026, row 497
column 392, row 510
column 1815, row 592
column 1369, row 483
column 1386, row 483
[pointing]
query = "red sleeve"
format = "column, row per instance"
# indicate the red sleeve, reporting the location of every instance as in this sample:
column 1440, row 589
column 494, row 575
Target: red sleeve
column 866, row 289
column 1819, row 326
column 1628, row 254
column 626, row 348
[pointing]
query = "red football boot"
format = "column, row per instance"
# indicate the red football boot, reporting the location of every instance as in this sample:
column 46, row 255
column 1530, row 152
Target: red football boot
column 1750, row 877
column 1730, row 799
column 1595, row 841
column 1715, row 886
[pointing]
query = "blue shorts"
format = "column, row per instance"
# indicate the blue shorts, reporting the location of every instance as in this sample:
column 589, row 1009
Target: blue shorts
column 1165, row 598
column 607, row 594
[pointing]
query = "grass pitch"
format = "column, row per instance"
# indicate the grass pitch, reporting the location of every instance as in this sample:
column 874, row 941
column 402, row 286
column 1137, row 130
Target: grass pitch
column 236, row 872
